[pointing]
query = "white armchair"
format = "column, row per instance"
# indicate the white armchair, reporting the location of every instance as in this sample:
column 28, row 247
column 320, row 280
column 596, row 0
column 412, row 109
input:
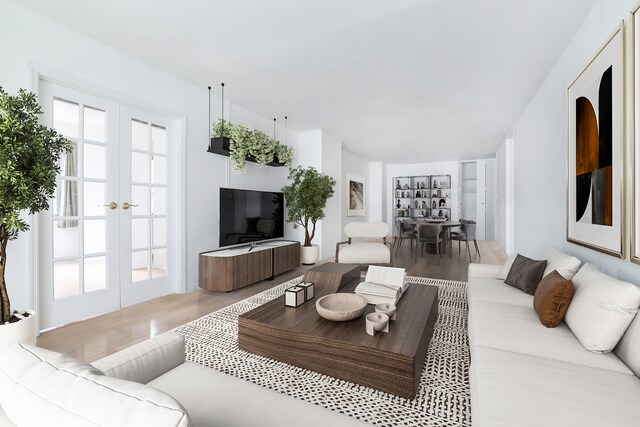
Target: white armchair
column 367, row 244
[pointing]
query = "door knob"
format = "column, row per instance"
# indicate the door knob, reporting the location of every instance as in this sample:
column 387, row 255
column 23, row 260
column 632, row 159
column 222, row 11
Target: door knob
column 112, row 206
column 126, row 206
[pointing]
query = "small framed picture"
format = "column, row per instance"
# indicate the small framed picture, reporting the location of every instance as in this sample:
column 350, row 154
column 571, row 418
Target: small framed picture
column 356, row 195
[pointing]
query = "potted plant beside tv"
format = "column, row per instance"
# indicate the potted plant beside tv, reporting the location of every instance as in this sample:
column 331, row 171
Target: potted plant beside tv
column 29, row 164
column 306, row 197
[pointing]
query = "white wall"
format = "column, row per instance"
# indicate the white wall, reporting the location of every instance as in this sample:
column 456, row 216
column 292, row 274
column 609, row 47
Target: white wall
column 439, row 168
column 375, row 191
column 26, row 37
column 332, row 166
column 540, row 149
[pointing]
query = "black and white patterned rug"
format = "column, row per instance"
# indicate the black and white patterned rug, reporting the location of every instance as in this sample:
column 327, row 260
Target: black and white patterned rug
column 443, row 394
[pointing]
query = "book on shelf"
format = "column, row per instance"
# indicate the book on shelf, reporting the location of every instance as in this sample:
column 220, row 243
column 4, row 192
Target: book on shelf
column 382, row 285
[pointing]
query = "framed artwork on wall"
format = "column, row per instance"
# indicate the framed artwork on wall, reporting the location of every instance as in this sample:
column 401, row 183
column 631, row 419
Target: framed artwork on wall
column 356, row 195
column 635, row 146
column 595, row 162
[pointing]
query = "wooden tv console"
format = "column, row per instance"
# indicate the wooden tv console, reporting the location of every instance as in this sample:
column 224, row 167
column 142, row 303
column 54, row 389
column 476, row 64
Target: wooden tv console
column 230, row 269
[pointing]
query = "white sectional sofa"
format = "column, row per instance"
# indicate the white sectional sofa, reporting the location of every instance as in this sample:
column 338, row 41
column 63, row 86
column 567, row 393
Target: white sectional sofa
column 148, row 384
column 524, row 374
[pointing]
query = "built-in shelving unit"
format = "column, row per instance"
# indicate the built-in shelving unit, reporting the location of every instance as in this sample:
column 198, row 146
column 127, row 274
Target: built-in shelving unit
column 421, row 196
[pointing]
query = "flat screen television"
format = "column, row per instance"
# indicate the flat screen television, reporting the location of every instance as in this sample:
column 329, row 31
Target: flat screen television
column 249, row 216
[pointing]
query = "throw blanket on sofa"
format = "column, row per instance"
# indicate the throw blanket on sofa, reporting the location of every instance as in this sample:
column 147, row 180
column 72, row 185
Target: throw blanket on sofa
column 443, row 394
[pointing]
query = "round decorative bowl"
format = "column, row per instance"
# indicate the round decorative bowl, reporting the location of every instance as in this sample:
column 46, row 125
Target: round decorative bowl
column 341, row 307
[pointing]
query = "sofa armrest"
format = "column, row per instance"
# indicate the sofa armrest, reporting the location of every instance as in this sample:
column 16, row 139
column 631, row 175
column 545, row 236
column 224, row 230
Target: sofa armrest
column 346, row 242
column 487, row 271
column 145, row 361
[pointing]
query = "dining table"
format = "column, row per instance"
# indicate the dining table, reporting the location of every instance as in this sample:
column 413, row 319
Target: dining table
column 447, row 225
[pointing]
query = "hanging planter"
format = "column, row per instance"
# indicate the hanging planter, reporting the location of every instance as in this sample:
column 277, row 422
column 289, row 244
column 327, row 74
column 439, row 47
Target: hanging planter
column 242, row 144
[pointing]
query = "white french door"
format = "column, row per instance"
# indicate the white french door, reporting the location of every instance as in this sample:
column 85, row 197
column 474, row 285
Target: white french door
column 145, row 221
column 103, row 242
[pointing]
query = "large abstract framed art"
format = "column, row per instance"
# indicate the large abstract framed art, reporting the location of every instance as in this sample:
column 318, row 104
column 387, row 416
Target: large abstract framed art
column 595, row 104
column 635, row 183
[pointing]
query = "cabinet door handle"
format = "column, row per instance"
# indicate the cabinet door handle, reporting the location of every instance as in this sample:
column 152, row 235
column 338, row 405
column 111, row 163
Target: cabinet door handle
column 126, row 206
column 112, row 206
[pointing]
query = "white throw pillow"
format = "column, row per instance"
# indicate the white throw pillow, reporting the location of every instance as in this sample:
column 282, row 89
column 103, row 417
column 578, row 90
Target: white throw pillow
column 564, row 264
column 38, row 386
column 502, row 275
column 601, row 309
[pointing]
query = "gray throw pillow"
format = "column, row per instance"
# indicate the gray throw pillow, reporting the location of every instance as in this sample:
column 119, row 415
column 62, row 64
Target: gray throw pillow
column 525, row 274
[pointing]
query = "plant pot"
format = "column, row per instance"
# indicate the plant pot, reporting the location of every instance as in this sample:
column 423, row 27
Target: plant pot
column 22, row 331
column 309, row 254
column 222, row 145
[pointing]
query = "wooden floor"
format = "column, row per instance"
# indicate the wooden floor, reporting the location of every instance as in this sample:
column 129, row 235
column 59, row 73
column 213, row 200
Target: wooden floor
column 95, row 338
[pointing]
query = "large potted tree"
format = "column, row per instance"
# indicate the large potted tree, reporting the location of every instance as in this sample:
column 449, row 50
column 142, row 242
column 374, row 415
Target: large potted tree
column 306, row 197
column 29, row 164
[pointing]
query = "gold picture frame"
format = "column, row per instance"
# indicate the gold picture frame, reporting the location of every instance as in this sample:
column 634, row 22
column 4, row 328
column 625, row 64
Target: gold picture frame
column 595, row 150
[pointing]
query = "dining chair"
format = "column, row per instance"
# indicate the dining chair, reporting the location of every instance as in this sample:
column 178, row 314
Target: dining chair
column 429, row 234
column 466, row 234
column 405, row 231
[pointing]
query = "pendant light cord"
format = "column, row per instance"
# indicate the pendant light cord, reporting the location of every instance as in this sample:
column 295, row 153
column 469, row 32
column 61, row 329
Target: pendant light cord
column 209, row 130
column 222, row 84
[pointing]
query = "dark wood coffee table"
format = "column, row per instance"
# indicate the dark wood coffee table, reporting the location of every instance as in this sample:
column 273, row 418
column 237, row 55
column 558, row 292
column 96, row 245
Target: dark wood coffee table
column 391, row 362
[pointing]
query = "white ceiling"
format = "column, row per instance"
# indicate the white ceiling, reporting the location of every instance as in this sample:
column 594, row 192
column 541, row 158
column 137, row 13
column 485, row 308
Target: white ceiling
column 398, row 81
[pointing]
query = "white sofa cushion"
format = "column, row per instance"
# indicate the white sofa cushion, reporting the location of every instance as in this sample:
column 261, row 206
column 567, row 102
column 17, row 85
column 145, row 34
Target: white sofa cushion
column 495, row 290
column 602, row 308
column 512, row 389
column 518, row 329
column 209, row 395
column 38, row 386
column 487, row 271
column 364, row 253
column 506, row 267
column 628, row 349
column 146, row 360
column 564, row 264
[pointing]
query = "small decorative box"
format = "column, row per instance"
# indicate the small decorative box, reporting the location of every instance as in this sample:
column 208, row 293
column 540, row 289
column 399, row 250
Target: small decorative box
column 309, row 290
column 294, row 296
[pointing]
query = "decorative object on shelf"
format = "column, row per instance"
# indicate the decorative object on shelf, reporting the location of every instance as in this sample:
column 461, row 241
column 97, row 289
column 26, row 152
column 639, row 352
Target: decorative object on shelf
column 309, row 290
column 595, row 151
column 398, row 204
column 435, row 183
column 438, row 194
column 443, row 203
column 388, row 309
column 242, row 144
column 376, row 322
column 294, row 296
column 29, row 165
column 422, row 185
column 356, row 195
column 415, row 204
column 406, row 186
column 341, row 307
column 424, row 204
column 418, row 193
column 402, row 194
column 398, row 185
column 306, row 197
column 434, row 205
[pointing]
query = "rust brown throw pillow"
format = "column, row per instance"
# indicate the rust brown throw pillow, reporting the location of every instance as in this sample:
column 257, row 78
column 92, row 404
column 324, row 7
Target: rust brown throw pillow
column 525, row 274
column 552, row 298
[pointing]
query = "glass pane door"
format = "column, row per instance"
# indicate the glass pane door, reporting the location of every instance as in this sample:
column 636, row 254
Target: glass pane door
column 79, row 258
column 145, row 203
